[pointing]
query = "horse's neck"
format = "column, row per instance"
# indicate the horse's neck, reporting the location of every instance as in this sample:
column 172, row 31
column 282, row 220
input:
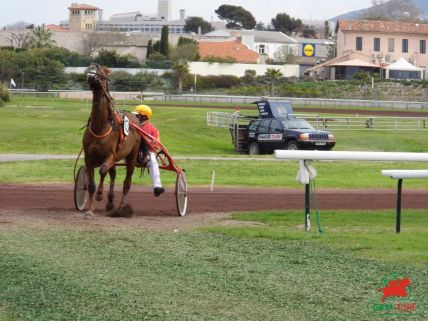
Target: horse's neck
column 100, row 115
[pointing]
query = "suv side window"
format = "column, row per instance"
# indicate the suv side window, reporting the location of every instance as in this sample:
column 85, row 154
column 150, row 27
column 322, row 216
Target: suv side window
column 253, row 126
column 264, row 126
column 285, row 122
column 275, row 126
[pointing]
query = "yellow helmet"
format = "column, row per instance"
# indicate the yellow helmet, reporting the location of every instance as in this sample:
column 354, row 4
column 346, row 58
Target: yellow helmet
column 143, row 110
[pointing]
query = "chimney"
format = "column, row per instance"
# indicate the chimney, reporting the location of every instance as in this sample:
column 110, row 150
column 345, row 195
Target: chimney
column 182, row 14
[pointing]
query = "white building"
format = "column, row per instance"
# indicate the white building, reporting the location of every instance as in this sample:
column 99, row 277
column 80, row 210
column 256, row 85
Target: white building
column 125, row 22
column 266, row 43
column 270, row 43
column 164, row 10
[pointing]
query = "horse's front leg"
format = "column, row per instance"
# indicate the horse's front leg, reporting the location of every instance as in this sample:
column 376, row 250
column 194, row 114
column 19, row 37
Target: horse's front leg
column 125, row 209
column 91, row 189
column 100, row 189
column 110, row 203
column 104, row 169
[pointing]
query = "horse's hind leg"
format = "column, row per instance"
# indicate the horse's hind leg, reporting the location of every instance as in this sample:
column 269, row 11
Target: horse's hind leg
column 110, row 203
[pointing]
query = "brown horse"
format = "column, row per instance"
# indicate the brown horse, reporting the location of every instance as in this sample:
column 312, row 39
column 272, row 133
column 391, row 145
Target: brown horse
column 105, row 143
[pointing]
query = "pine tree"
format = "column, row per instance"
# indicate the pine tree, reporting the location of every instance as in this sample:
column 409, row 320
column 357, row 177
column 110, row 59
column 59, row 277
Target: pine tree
column 164, row 43
column 150, row 48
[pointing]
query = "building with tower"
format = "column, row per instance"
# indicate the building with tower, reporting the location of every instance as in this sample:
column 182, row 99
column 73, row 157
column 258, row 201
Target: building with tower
column 164, row 10
column 84, row 17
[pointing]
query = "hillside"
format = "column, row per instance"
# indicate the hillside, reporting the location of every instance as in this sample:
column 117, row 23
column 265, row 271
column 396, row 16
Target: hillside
column 421, row 4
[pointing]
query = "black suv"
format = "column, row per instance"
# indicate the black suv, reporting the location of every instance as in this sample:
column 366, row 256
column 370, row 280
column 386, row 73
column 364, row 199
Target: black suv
column 268, row 134
column 278, row 128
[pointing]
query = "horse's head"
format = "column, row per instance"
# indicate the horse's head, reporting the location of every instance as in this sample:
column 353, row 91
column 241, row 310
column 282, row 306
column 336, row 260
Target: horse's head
column 97, row 77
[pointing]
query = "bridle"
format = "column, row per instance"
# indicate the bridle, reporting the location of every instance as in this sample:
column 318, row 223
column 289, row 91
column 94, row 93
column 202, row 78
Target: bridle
column 102, row 79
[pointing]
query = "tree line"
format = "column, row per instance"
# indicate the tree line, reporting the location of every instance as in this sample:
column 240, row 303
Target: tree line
column 237, row 17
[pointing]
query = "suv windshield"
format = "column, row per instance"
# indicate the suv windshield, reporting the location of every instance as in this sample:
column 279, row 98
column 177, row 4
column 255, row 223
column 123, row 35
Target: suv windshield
column 297, row 124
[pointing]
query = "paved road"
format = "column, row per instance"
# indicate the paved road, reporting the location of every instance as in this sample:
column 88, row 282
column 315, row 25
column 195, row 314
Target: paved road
column 28, row 157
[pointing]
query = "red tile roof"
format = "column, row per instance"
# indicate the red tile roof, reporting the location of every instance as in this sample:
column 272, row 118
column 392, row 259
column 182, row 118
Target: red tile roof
column 82, row 6
column 55, row 28
column 383, row 26
column 226, row 49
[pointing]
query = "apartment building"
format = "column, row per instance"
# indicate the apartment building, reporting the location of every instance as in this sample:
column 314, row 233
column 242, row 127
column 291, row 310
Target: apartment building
column 385, row 42
column 378, row 45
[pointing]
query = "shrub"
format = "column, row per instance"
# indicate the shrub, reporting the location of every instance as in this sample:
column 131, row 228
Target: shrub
column 4, row 94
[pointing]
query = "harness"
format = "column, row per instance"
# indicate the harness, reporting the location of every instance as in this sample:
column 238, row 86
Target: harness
column 116, row 117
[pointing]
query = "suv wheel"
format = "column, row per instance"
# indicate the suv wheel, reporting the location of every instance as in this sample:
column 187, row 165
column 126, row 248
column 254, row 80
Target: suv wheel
column 291, row 146
column 254, row 149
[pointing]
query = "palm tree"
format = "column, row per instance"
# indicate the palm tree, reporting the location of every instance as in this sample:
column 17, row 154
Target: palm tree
column 41, row 38
column 181, row 69
column 272, row 76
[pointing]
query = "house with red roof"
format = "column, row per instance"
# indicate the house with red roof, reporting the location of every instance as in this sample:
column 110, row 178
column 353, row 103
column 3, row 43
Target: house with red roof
column 228, row 49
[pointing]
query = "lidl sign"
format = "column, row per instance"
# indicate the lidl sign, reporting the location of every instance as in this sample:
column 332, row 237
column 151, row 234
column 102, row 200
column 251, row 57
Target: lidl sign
column 308, row 50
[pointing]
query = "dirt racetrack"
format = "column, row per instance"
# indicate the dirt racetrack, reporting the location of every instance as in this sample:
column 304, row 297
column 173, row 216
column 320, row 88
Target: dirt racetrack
column 53, row 204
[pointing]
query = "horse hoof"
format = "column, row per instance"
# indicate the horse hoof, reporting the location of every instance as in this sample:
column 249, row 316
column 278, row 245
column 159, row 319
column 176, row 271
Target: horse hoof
column 99, row 197
column 125, row 211
column 109, row 206
column 89, row 215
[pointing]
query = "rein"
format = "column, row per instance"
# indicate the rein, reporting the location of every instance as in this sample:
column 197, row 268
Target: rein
column 111, row 101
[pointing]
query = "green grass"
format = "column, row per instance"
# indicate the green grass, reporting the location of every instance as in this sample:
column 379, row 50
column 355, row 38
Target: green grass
column 125, row 274
column 54, row 126
column 44, row 125
column 263, row 268
column 345, row 175
column 368, row 234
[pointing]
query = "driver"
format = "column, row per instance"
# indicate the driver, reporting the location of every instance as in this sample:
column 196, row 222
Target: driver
column 144, row 114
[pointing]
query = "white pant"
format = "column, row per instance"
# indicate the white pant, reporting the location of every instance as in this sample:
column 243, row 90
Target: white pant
column 154, row 170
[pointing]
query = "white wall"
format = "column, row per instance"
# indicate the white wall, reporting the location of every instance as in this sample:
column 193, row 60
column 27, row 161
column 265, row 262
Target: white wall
column 238, row 70
column 132, row 71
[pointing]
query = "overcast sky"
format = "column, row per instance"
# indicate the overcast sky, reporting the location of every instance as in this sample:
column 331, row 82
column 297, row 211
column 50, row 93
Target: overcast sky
column 53, row 11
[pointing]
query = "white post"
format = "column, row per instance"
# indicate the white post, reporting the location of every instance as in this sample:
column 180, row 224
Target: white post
column 212, row 181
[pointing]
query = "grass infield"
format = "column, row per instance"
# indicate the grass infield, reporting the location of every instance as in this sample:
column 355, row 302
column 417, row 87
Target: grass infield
column 252, row 266
column 266, row 269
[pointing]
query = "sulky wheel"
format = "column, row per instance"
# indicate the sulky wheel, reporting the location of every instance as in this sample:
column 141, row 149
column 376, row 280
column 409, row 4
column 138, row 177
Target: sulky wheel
column 80, row 189
column 181, row 193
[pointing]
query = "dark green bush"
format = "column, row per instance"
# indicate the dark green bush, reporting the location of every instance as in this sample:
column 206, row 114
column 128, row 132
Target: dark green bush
column 4, row 94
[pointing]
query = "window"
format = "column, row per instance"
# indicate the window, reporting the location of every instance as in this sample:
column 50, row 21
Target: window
column 253, row 126
column 359, row 43
column 391, row 45
column 423, row 46
column 275, row 126
column 264, row 126
column 261, row 49
column 404, row 74
column 405, row 45
column 376, row 44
